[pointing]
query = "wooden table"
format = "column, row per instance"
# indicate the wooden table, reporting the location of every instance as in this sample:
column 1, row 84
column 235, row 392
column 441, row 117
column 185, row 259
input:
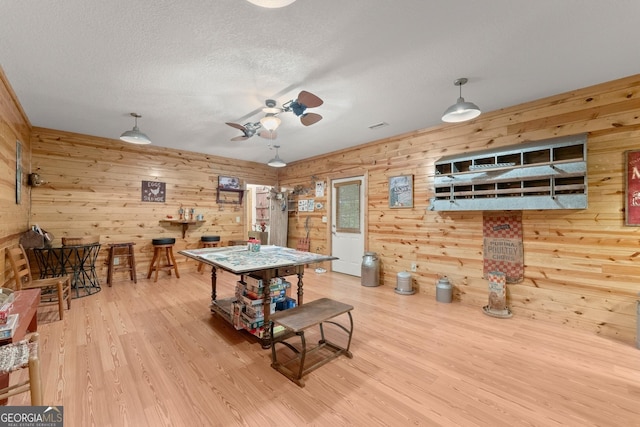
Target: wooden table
column 268, row 263
column 296, row 321
column 26, row 305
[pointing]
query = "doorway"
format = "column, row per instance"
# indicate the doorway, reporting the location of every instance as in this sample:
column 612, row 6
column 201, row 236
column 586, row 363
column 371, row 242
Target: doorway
column 347, row 224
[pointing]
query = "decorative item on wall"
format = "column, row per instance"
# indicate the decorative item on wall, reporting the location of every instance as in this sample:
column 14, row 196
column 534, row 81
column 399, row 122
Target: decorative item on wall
column 302, row 205
column 228, row 183
column 632, row 190
column 154, row 191
column 319, row 189
column 503, row 251
column 18, row 172
column 401, row 191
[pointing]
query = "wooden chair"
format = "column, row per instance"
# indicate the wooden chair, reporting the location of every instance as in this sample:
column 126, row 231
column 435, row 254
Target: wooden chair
column 18, row 355
column 54, row 290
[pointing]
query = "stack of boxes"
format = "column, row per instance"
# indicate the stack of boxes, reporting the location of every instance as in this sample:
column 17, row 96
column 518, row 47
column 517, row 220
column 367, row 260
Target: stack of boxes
column 248, row 309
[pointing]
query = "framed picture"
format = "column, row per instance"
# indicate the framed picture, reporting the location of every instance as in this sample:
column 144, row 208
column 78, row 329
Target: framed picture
column 401, row 191
column 228, row 183
column 632, row 188
column 154, row 191
column 18, row 172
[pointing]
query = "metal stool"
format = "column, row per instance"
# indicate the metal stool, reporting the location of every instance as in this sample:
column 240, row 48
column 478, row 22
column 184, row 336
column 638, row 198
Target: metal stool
column 160, row 245
column 119, row 251
column 208, row 242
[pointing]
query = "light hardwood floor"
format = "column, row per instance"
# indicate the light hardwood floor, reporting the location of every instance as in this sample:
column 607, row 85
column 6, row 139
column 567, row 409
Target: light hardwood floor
column 151, row 354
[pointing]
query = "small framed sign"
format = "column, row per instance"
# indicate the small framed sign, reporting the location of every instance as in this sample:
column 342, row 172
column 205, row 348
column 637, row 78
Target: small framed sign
column 228, row 183
column 154, row 191
column 401, row 191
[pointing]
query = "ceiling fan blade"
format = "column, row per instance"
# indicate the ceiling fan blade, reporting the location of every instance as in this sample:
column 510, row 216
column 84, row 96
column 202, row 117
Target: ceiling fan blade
column 240, row 138
column 237, row 126
column 266, row 134
column 309, row 100
column 310, row 118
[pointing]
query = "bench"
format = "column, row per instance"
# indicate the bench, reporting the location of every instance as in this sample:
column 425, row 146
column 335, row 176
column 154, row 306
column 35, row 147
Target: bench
column 295, row 321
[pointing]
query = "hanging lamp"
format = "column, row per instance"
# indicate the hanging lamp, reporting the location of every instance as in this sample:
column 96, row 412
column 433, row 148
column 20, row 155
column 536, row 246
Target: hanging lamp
column 277, row 162
column 461, row 111
column 134, row 136
column 271, row 4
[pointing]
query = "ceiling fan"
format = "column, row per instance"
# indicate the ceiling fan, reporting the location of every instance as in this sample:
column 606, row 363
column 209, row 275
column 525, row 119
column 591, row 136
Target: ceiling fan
column 266, row 127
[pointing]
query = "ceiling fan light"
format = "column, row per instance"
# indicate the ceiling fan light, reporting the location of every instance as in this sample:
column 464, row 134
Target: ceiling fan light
column 270, row 122
column 271, row 4
column 461, row 111
column 134, row 136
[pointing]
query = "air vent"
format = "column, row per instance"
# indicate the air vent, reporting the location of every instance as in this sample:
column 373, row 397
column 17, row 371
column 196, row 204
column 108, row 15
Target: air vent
column 378, row 125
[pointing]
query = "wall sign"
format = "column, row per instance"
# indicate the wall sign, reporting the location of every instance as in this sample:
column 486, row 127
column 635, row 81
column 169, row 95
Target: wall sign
column 632, row 190
column 503, row 249
column 401, row 191
column 154, row 191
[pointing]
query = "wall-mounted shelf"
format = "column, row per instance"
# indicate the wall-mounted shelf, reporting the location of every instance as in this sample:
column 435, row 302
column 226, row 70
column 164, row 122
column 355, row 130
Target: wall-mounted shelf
column 548, row 174
column 235, row 196
column 185, row 224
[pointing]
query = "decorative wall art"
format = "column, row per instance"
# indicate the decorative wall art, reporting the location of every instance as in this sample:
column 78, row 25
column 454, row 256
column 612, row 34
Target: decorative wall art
column 18, row 172
column 228, row 183
column 401, row 191
column 154, row 191
column 503, row 249
column 632, row 190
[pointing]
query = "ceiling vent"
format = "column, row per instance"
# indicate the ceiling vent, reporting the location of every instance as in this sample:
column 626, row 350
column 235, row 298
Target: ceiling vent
column 378, row 125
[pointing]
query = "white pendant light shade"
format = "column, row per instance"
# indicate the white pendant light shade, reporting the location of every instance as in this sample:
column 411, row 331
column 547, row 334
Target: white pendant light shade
column 271, row 4
column 270, row 122
column 462, row 110
column 277, row 162
column 134, row 136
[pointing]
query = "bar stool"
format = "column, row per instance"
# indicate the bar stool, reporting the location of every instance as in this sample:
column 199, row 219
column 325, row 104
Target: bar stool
column 121, row 251
column 160, row 245
column 208, row 242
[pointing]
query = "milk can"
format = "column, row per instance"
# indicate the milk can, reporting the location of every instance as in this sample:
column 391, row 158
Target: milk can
column 370, row 269
column 444, row 290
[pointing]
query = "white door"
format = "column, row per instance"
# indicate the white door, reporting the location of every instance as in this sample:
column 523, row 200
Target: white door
column 347, row 225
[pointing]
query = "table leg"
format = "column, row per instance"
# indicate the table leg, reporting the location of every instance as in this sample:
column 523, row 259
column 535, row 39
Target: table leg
column 300, row 284
column 213, row 285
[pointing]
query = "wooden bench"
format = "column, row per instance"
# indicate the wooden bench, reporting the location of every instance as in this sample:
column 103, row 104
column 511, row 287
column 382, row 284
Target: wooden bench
column 295, row 321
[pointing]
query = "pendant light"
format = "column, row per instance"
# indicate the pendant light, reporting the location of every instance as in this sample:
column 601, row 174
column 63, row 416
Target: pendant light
column 277, row 162
column 134, row 136
column 271, row 4
column 461, row 111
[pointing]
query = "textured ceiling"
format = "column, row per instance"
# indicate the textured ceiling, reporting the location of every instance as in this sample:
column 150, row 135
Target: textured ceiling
column 190, row 66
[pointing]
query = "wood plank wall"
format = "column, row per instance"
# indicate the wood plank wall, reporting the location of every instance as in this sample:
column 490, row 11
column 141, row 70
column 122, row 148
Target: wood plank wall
column 581, row 267
column 94, row 188
column 14, row 126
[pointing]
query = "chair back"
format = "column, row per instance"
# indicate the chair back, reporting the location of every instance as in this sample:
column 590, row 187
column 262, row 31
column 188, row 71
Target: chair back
column 20, row 265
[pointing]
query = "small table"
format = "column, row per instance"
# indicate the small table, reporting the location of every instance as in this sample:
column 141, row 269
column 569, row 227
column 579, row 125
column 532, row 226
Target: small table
column 26, row 306
column 296, row 320
column 77, row 260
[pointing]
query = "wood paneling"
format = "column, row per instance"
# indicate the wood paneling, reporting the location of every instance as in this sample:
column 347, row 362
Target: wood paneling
column 94, row 187
column 581, row 266
column 14, row 126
